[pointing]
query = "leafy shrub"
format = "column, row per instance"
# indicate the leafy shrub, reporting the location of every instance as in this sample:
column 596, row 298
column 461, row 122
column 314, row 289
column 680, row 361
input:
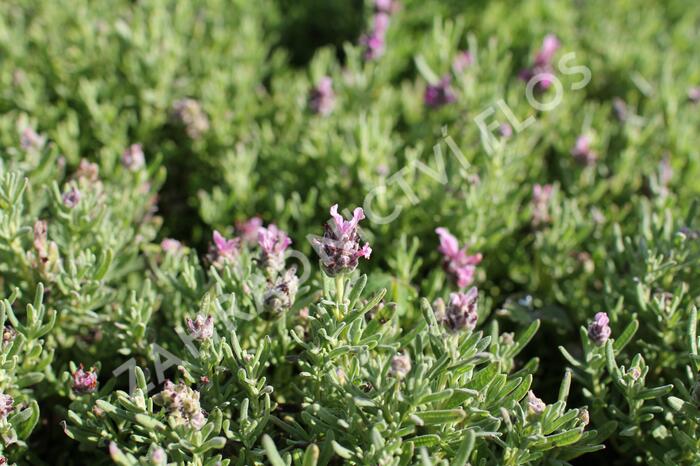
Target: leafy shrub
column 517, row 286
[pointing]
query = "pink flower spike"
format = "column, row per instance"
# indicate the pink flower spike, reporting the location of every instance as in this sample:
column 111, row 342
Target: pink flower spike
column 457, row 262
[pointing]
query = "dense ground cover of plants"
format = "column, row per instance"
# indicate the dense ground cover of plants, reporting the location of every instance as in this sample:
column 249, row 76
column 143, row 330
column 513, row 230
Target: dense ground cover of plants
column 313, row 232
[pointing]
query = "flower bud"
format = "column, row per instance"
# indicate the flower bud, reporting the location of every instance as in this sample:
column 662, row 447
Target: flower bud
column 6, row 406
column 31, row 140
column 8, row 334
column 462, row 61
column 280, row 297
column 182, row 405
column 535, row 406
column 541, row 196
column 322, row 97
column 439, row 94
column 582, row 151
column 190, row 115
column 133, row 158
column 71, row 198
column 461, row 312
column 400, row 365
column 87, row 171
column 170, row 245
column 84, row 382
column 598, row 330
column 201, row 328
column 584, row 417
column 157, row 456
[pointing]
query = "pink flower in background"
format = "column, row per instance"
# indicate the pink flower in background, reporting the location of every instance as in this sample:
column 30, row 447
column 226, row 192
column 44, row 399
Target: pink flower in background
column 249, row 229
column 550, row 45
column 582, row 151
column 322, row 97
column 456, row 261
column 542, row 70
column 381, row 23
column 437, row 95
column 374, row 45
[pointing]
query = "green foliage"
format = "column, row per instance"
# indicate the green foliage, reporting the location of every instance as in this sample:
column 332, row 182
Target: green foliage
column 121, row 345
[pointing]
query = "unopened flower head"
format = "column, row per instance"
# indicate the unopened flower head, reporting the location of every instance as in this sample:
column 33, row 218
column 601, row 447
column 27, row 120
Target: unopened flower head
column 322, row 97
column 460, row 265
column 461, row 311
column 71, row 198
column 273, row 242
column 201, row 327
column 535, row 406
column 84, row 381
column 189, row 113
column 634, row 373
column 582, row 151
column 400, row 365
column 339, row 248
column 182, row 404
column 280, row 296
column 599, row 330
column 541, row 196
column 6, row 406
column 133, row 158
column 8, row 335
column 584, row 416
column 439, row 94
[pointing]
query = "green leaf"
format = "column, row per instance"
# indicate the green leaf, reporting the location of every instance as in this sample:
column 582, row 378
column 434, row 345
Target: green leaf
column 465, row 449
column 441, row 416
column 626, row 336
column 271, row 451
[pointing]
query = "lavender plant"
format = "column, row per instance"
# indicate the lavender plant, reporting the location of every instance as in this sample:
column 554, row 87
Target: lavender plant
column 503, row 179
